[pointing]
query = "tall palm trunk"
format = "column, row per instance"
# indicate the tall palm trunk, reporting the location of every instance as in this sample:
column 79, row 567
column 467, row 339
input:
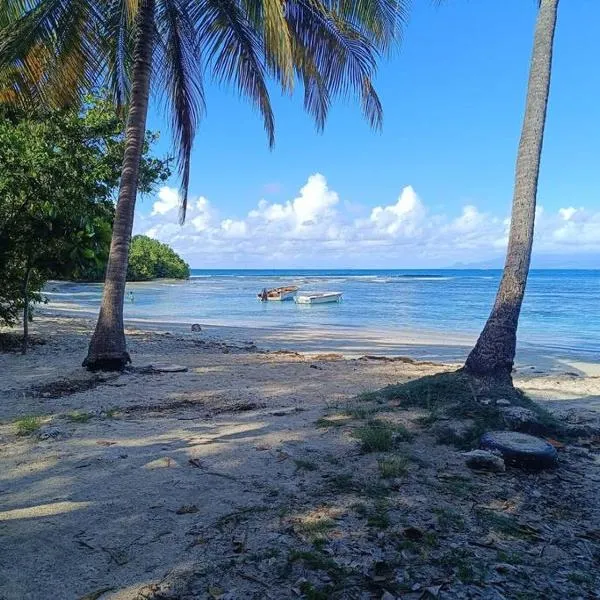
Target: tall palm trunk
column 108, row 349
column 494, row 352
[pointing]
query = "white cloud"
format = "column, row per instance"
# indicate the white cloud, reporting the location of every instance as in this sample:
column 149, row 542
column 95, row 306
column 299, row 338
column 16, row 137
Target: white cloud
column 403, row 218
column 316, row 229
column 315, row 202
column 470, row 220
column 234, row 229
column 201, row 214
column 567, row 213
column 168, row 200
column 579, row 228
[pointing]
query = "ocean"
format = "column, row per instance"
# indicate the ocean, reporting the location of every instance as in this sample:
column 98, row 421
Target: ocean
column 561, row 312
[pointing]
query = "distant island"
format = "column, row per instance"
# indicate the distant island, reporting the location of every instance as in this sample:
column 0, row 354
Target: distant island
column 540, row 261
column 151, row 259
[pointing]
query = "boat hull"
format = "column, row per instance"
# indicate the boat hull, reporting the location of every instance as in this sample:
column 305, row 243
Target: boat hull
column 282, row 297
column 318, row 298
column 279, row 294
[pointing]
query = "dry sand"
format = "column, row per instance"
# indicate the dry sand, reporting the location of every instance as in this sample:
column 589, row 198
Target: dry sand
column 217, row 482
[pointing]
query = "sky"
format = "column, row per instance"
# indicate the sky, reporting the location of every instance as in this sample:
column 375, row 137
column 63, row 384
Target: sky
column 433, row 188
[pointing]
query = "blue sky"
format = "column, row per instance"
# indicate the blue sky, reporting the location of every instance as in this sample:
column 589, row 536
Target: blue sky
column 441, row 172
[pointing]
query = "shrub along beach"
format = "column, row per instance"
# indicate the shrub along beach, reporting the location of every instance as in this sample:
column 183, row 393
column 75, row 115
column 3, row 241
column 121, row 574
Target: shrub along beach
column 396, row 444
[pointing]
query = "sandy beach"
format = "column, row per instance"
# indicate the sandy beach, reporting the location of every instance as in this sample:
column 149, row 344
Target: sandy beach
column 225, row 481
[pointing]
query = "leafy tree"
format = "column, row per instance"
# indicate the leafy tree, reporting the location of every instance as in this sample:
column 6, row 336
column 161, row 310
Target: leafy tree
column 58, row 174
column 494, row 352
column 150, row 259
column 329, row 46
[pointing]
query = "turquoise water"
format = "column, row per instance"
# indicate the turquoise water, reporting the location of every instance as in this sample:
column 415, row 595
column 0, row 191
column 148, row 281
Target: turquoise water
column 561, row 310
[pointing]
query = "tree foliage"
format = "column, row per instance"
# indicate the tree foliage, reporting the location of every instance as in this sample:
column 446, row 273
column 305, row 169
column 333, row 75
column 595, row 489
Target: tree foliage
column 58, row 174
column 150, row 259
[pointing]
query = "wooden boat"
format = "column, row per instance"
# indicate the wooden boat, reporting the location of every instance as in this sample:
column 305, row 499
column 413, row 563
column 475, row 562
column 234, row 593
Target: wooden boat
column 278, row 294
column 318, row 297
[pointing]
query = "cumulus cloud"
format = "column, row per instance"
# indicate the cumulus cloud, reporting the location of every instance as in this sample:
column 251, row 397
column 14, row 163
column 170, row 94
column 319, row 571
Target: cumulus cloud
column 580, row 228
column 315, row 202
column 470, row 220
column 202, row 214
column 234, row 229
column 403, row 218
column 316, row 229
column 168, row 199
column 567, row 213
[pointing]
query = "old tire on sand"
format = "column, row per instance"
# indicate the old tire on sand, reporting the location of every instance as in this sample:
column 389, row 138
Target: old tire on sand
column 520, row 449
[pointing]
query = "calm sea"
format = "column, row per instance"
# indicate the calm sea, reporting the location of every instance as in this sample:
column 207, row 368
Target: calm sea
column 561, row 309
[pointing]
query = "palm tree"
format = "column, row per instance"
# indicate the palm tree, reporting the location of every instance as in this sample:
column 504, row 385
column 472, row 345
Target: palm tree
column 331, row 46
column 494, row 352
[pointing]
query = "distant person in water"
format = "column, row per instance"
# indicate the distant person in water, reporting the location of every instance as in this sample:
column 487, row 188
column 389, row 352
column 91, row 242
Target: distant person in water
column 131, row 296
column 265, row 295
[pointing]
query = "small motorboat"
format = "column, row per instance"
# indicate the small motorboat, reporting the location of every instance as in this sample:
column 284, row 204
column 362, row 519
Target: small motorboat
column 278, row 294
column 318, row 297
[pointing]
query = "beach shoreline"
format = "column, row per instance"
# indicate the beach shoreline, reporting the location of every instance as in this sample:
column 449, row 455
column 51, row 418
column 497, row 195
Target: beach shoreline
column 351, row 342
column 546, row 377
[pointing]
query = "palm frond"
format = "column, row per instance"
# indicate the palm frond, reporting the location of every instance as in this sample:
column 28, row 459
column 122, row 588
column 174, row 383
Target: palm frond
column 117, row 45
column 379, row 20
column 278, row 48
column 55, row 50
column 64, row 32
column 18, row 86
column 178, row 60
column 336, row 59
column 317, row 98
column 235, row 51
column 371, row 105
column 267, row 17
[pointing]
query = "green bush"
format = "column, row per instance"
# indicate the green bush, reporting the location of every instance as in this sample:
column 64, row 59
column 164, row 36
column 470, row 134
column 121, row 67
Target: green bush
column 150, row 259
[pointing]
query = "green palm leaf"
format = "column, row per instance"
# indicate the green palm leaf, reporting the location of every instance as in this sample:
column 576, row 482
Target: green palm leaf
column 380, row 20
column 62, row 33
column 336, row 58
column 117, row 40
column 235, row 52
column 178, row 57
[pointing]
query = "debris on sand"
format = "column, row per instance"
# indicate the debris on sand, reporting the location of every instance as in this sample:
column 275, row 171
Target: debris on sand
column 482, row 460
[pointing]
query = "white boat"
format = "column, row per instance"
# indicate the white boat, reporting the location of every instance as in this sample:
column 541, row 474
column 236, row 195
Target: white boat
column 318, row 297
column 278, row 294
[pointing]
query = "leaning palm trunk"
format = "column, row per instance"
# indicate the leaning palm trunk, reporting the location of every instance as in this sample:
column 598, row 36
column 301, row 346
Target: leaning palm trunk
column 108, row 349
column 494, row 352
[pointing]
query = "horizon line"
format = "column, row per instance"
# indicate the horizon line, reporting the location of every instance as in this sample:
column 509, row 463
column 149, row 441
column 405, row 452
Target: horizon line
column 385, row 269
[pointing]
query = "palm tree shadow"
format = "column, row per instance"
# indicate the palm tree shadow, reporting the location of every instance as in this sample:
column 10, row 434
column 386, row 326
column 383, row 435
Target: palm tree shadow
column 459, row 396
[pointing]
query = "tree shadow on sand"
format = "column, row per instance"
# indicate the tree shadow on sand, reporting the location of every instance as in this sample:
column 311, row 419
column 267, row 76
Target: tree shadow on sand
column 476, row 402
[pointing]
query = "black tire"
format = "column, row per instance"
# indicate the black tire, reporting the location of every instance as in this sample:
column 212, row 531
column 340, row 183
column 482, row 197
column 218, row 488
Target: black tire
column 520, row 449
